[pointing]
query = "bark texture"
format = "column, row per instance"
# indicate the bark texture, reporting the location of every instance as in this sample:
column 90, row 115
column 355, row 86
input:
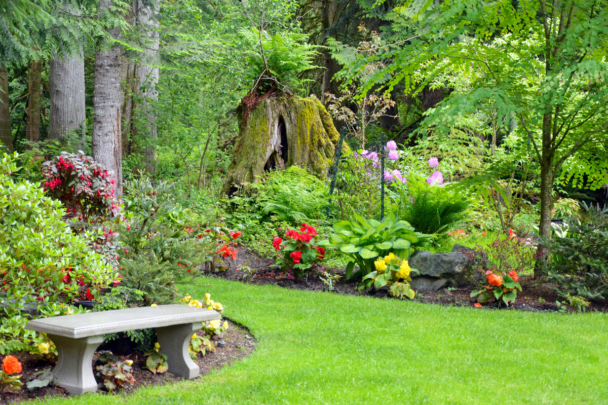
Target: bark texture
column 6, row 137
column 66, row 84
column 34, row 84
column 282, row 132
column 107, row 144
column 148, row 76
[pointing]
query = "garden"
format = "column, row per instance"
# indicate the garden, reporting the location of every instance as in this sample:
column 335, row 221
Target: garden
column 326, row 202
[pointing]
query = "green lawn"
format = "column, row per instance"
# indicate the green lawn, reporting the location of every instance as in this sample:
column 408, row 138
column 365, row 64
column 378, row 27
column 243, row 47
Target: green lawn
column 321, row 348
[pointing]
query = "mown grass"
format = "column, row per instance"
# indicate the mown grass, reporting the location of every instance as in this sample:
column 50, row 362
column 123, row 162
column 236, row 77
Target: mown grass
column 321, row 348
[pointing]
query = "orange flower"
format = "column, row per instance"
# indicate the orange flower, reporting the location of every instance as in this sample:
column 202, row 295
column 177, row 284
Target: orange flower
column 11, row 365
column 477, row 305
column 494, row 279
column 514, row 275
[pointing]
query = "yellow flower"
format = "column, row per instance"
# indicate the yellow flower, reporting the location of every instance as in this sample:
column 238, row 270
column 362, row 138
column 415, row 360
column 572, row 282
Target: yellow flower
column 208, row 298
column 153, row 305
column 214, row 324
column 405, row 269
column 157, row 346
column 195, row 303
column 194, row 336
column 390, row 257
column 217, row 306
column 129, row 362
column 225, row 325
column 43, row 348
column 380, row 265
column 186, row 298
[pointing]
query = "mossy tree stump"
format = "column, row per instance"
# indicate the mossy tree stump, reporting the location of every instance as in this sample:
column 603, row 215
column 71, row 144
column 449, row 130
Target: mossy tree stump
column 281, row 132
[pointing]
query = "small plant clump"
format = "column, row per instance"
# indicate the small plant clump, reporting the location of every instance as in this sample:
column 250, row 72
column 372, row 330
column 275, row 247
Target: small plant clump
column 8, row 375
column 299, row 250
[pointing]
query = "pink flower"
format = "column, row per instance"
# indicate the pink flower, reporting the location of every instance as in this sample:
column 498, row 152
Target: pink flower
column 398, row 176
column 433, row 162
column 393, row 155
column 391, row 145
column 436, row 178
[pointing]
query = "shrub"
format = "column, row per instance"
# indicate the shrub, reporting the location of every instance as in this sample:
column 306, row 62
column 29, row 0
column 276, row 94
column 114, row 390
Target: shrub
column 357, row 186
column 578, row 257
column 394, row 272
column 429, row 208
column 501, row 286
column 298, row 250
column 42, row 260
column 83, row 186
column 365, row 239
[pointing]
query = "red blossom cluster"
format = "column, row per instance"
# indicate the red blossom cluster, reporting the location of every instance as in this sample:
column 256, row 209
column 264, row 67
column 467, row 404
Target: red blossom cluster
column 227, row 251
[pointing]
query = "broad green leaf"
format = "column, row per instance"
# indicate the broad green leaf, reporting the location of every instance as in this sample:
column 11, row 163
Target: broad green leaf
column 401, row 244
column 349, row 270
column 384, row 245
column 367, row 254
column 350, row 248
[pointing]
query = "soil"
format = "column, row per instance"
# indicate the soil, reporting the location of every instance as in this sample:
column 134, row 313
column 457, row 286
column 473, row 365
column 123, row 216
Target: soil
column 239, row 343
column 536, row 296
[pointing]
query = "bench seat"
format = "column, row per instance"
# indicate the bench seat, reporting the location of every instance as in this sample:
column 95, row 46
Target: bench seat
column 78, row 336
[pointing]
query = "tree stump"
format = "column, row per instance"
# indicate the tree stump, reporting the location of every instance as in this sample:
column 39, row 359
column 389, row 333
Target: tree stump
column 278, row 133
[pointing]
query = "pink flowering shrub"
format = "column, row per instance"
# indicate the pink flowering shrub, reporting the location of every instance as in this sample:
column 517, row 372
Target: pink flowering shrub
column 298, row 250
column 84, row 187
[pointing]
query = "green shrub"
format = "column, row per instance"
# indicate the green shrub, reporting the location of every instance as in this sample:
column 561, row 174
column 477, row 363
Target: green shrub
column 41, row 260
column 357, row 187
column 431, row 209
column 365, row 239
column 578, row 256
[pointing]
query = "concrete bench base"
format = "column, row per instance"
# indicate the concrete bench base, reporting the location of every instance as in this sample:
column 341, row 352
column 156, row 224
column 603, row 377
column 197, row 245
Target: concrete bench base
column 77, row 337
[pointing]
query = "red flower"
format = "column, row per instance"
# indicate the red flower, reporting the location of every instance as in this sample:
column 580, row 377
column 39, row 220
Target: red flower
column 11, row 365
column 321, row 252
column 305, row 237
column 89, row 295
column 296, row 256
column 483, row 234
column 514, row 276
column 477, row 305
column 276, row 243
column 227, row 251
column 235, row 234
column 494, row 279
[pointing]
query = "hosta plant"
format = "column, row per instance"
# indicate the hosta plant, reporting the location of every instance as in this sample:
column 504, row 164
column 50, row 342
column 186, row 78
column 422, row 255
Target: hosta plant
column 298, row 250
column 366, row 239
column 501, row 287
column 391, row 270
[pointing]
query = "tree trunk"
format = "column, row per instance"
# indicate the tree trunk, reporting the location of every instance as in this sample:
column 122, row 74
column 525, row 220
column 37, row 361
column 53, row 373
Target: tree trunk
column 66, row 84
column 148, row 76
column 127, row 78
column 6, row 137
column 107, row 144
column 281, row 132
column 34, row 80
column 546, row 188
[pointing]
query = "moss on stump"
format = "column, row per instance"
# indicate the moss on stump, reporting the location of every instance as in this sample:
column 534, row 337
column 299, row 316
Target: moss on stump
column 282, row 132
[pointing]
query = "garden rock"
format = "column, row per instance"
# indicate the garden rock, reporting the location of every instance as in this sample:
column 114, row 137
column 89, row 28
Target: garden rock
column 453, row 269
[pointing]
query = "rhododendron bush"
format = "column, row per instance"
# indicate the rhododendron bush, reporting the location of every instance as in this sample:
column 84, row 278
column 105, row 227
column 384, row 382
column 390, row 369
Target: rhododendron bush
column 298, row 250
column 41, row 259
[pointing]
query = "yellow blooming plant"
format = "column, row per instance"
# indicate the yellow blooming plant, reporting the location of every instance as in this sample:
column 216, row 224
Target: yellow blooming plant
column 215, row 328
column 199, row 344
column 208, row 303
column 391, row 270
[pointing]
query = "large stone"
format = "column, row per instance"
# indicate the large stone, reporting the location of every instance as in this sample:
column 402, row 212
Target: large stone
column 453, row 267
column 428, row 283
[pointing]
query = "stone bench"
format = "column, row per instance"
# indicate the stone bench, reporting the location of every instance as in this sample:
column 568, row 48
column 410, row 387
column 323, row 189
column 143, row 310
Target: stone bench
column 78, row 336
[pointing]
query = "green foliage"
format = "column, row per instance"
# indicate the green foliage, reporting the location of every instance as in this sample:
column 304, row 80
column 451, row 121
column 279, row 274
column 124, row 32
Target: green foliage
column 356, row 188
column 146, row 274
column 501, row 288
column 43, row 261
column 291, row 195
column 199, row 344
column 578, row 257
column 41, row 379
column 116, row 374
column 431, row 209
column 365, row 239
column 156, row 361
column 281, row 57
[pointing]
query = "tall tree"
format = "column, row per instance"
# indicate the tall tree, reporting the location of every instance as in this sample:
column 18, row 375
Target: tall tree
column 34, row 79
column 67, row 110
column 540, row 63
column 107, row 144
column 6, row 137
column 148, row 73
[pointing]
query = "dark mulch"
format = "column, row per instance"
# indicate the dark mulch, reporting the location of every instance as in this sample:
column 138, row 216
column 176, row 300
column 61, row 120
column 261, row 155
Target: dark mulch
column 239, row 343
column 536, row 296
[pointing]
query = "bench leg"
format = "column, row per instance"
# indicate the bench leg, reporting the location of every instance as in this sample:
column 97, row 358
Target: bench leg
column 74, row 369
column 174, row 342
